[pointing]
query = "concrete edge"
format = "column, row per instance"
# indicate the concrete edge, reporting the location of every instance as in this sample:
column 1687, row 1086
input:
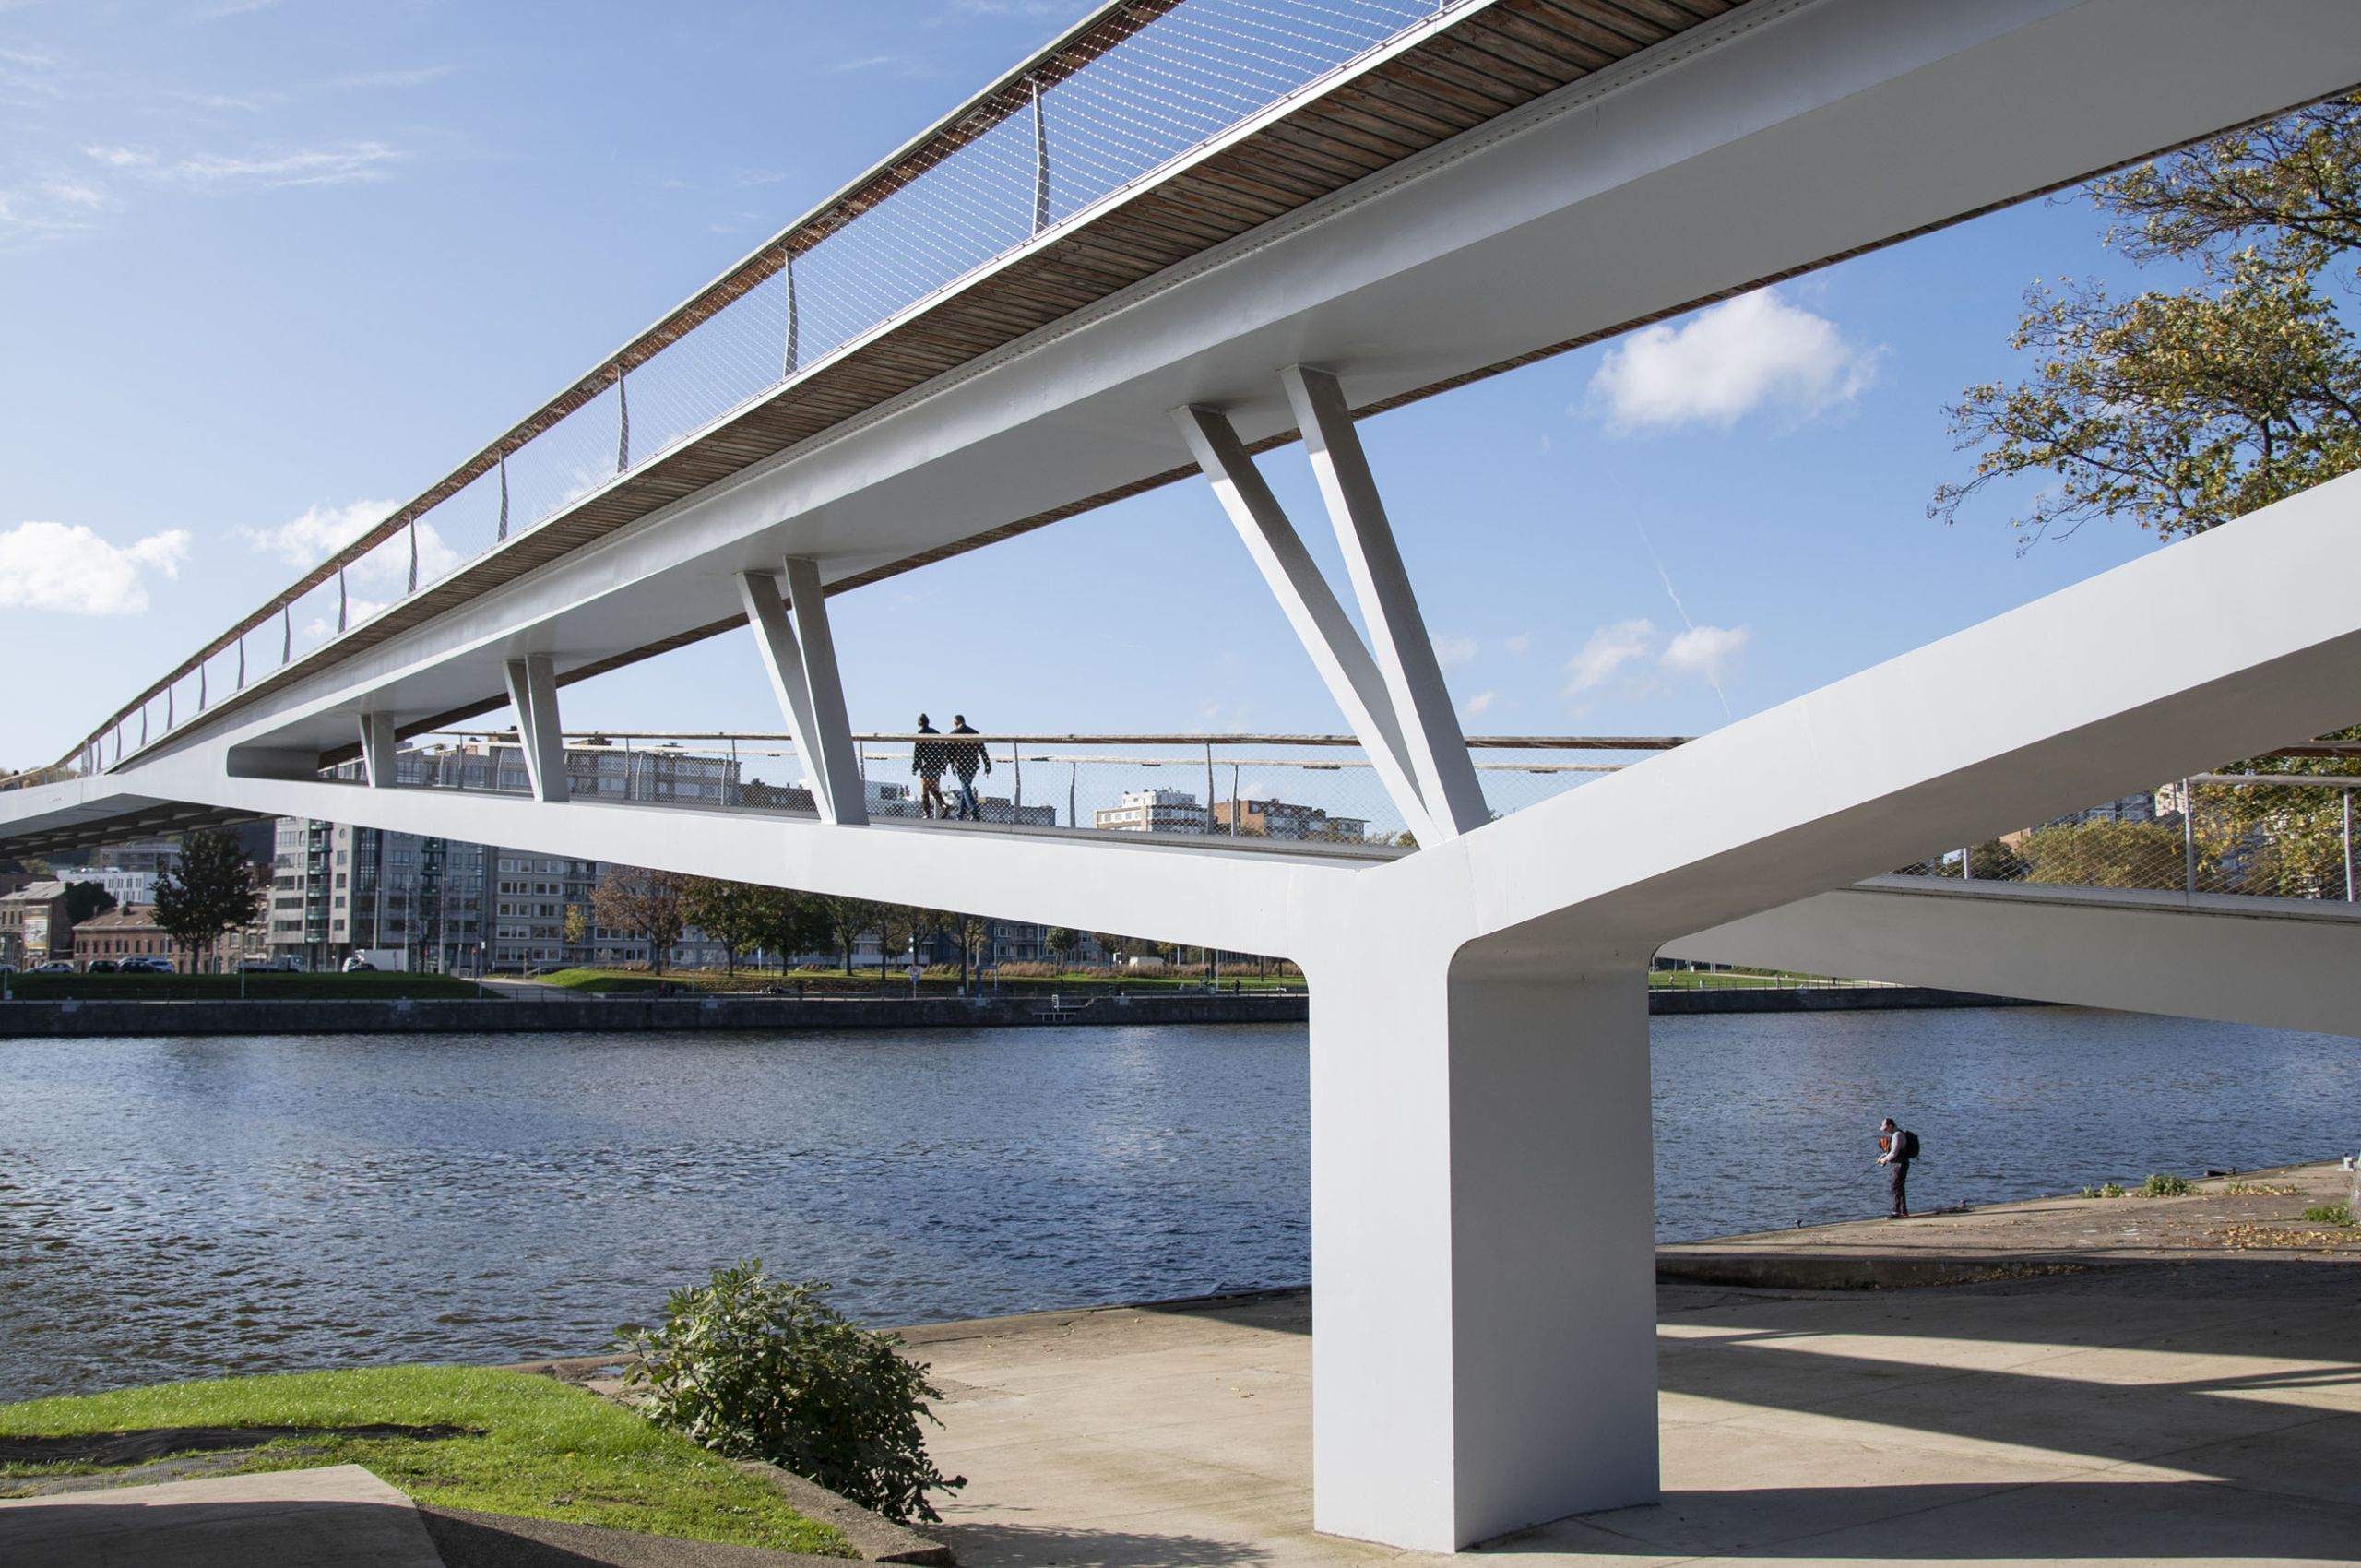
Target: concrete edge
column 1774, row 1271
column 874, row 1537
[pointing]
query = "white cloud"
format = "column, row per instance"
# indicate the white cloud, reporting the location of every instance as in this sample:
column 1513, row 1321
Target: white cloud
column 1753, row 351
column 320, row 166
column 306, row 541
column 120, row 157
column 1481, row 703
column 1519, row 643
column 356, row 609
column 1453, row 652
column 415, row 76
column 1711, row 652
column 1608, row 650
column 319, row 533
column 53, row 566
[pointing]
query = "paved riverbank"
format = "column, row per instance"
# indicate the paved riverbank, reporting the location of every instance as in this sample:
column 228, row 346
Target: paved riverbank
column 2132, row 1386
column 533, row 1009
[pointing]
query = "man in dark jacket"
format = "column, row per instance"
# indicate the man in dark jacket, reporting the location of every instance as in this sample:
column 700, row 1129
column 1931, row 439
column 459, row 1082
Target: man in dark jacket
column 965, row 755
column 927, row 757
column 1893, row 1153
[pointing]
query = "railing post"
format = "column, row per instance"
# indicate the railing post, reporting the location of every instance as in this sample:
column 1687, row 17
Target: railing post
column 200, row 686
column 503, row 536
column 1040, row 164
column 794, row 358
column 1016, row 789
column 242, row 661
column 2347, row 795
column 1966, row 863
column 285, row 634
column 1209, row 790
column 343, row 603
column 2189, row 835
column 413, row 556
column 622, row 423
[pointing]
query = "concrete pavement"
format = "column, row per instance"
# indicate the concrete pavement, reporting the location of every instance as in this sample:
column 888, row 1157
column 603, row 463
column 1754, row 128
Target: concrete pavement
column 336, row 1517
column 2198, row 1408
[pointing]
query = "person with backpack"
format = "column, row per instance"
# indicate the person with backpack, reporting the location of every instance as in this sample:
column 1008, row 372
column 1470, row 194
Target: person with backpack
column 1897, row 1149
column 928, row 756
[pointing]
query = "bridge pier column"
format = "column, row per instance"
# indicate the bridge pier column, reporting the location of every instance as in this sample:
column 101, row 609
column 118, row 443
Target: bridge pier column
column 1483, row 1262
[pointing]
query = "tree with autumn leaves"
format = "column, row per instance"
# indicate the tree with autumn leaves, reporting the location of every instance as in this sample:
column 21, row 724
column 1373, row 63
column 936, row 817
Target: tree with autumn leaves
column 2183, row 409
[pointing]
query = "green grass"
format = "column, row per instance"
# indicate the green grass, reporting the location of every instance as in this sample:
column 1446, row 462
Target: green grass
column 2331, row 1214
column 547, row 1450
column 273, row 986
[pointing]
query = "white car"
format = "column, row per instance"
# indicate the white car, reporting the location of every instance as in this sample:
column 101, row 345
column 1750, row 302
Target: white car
column 54, row 966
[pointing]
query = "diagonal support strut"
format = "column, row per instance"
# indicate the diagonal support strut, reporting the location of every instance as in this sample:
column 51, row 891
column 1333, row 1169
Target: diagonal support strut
column 1436, row 747
column 1352, row 675
column 532, row 691
column 800, row 654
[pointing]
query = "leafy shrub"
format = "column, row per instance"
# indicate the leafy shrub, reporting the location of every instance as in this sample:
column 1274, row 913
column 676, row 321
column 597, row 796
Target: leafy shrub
column 2331, row 1214
column 755, row 1368
column 2256, row 1190
column 2165, row 1185
column 2112, row 1190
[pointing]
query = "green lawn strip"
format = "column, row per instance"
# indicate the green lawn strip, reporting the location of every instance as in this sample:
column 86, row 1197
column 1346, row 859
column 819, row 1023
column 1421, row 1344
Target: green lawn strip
column 363, row 985
column 548, row 1450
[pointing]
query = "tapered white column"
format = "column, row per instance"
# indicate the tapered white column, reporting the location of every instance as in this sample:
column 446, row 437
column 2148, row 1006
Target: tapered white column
column 532, row 692
column 1483, row 1267
column 377, row 749
column 799, row 655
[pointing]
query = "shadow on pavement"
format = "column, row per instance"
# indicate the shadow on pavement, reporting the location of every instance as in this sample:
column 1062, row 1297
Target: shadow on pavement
column 988, row 1546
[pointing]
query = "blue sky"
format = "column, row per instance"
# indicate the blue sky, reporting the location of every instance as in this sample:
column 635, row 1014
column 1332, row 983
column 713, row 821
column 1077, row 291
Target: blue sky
column 262, row 263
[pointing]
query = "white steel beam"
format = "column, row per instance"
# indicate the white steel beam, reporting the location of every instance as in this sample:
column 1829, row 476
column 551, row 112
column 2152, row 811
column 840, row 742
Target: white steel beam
column 1437, row 749
column 532, row 691
column 799, row 655
column 377, row 749
column 2278, row 962
column 1344, row 662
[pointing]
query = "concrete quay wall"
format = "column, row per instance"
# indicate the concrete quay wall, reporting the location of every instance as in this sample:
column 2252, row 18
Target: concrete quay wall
column 568, row 1014
column 578, row 1015
column 1819, row 999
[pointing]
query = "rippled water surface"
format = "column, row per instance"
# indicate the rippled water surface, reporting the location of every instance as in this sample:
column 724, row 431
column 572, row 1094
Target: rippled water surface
column 178, row 1207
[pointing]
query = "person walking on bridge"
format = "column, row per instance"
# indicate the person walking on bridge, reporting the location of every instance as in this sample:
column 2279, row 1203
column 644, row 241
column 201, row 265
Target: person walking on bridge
column 1896, row 1149
column 927, row 757
column 965, row 758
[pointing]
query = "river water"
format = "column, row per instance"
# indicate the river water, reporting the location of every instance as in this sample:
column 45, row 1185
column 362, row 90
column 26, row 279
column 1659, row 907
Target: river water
column 173, row 1207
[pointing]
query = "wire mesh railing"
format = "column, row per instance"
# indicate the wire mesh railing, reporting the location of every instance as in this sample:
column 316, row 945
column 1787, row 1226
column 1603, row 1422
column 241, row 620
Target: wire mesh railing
column 1308, row 792
column 2276, row 835
column 1124, row 94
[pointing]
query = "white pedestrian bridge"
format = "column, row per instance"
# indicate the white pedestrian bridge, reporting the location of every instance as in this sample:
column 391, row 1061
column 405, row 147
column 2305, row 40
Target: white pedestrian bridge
column 1193, row 230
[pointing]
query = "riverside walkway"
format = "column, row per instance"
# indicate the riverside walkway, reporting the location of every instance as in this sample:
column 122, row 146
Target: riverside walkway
column 2153, row 1380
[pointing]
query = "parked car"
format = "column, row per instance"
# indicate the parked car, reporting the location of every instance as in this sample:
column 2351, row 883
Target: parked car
column 7, row 969
column 102, row 966
column 358, row 965
column 145, row 967
column 54, row 966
